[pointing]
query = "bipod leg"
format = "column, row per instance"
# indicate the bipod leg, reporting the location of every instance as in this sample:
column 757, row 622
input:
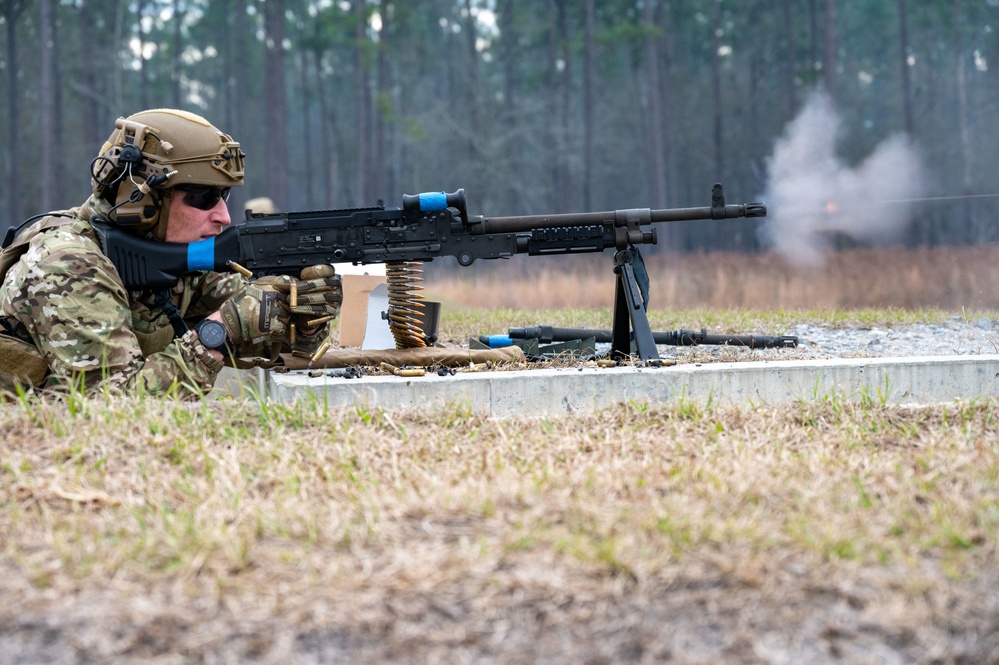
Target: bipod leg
column 629, row 312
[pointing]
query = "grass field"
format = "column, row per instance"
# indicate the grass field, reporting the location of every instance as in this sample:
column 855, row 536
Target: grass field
column 229, row 531
column 147, row 531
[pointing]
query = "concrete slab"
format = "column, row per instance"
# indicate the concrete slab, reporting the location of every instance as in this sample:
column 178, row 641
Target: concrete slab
column 909, row 380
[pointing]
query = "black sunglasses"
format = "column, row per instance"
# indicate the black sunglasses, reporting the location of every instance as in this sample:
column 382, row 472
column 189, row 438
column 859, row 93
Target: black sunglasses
column 203, row 197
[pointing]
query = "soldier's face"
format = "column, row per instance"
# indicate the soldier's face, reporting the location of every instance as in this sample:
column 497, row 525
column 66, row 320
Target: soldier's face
column 191, row 223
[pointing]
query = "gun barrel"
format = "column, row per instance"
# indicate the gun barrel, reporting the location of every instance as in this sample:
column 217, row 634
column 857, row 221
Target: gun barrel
column 731, row 211
column 521, row 224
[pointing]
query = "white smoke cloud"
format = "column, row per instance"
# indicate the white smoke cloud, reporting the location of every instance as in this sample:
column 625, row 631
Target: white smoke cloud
column 812, row 195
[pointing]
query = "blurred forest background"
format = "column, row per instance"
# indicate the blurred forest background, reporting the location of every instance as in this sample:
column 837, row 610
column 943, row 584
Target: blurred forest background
column 530, row 105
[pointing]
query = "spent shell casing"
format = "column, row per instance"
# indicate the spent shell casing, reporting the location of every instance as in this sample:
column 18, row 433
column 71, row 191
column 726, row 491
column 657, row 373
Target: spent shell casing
column 419, row 371
column 293, row 295
column 321, row 352
column 291, row 333
column 245, row 272
column 315, row 323
column 391, row 369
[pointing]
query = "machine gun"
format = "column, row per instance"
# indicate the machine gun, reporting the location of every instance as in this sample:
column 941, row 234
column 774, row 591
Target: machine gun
column 427, row 227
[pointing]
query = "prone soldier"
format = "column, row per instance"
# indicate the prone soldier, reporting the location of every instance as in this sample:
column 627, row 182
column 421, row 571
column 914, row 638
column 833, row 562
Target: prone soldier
column 66, row 315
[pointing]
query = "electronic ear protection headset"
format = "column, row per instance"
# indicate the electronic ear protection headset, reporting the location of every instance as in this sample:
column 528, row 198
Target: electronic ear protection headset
column 128, row 177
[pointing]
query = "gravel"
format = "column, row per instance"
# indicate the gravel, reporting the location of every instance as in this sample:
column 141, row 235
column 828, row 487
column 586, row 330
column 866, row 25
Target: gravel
column 953, row 337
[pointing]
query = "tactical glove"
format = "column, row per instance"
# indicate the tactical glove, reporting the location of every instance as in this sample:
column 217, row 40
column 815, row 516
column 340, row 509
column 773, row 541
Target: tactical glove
column 318, row 296
column 253, row 319
column 258, row 316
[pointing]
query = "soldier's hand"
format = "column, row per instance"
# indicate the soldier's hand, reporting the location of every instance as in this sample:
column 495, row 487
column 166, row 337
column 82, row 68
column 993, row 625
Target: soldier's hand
column 261, row 313
column 314, row 300
column 253, row 317
column 309, row 306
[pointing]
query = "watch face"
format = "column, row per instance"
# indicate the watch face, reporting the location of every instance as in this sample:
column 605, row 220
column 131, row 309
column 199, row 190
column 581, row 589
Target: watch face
column 211, row 334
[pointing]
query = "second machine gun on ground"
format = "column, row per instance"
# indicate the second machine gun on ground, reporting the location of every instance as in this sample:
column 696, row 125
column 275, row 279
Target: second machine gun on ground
column 428, row 226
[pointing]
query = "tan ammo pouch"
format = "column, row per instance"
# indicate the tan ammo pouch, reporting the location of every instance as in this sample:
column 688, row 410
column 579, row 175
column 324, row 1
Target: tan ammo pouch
column 155, row 341
column 20, row 363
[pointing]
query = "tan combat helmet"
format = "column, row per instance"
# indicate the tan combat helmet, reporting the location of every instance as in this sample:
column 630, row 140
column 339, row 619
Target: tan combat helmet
column 153, row 151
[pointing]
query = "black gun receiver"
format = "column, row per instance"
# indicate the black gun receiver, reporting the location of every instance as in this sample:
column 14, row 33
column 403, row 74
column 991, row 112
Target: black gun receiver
column 427, row 226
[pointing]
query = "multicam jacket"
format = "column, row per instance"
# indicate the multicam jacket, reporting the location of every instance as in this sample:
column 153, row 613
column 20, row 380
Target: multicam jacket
column 65, row 299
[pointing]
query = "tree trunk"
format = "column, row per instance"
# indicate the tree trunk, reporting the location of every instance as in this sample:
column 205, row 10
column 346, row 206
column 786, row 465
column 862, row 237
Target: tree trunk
column 328, row 147
column 714, row 236
column 962, row 119
column 790, row 94
column 116, row 42
column 670, row 140
column 558, row 76
column 716, row 97
column 58, row 172
column 143, row 63
column 47, row 94
column 903, row 44
column 93, row 131
column 656, row 145
column 829, row 67
column 175, row 63
column 589, row 76
column 513, row 155
column 565, row 181
column 309, row 144
column 813, row 36
column 472, row 96
column 383, row 189
column 11, row 9
column 240, row 69
column 363, row 104
column 276, row 115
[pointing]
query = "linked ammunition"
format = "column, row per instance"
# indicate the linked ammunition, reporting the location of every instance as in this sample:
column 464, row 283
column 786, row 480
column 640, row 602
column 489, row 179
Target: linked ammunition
column 404, row 315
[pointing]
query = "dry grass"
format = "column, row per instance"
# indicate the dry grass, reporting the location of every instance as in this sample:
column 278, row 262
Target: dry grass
column 951, row 278
column 145, row 531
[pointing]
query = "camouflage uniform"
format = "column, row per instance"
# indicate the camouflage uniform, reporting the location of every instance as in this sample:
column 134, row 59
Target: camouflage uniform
column 65, row 298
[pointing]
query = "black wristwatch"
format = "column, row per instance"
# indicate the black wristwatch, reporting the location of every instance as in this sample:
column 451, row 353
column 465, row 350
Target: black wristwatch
column 212, row 334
